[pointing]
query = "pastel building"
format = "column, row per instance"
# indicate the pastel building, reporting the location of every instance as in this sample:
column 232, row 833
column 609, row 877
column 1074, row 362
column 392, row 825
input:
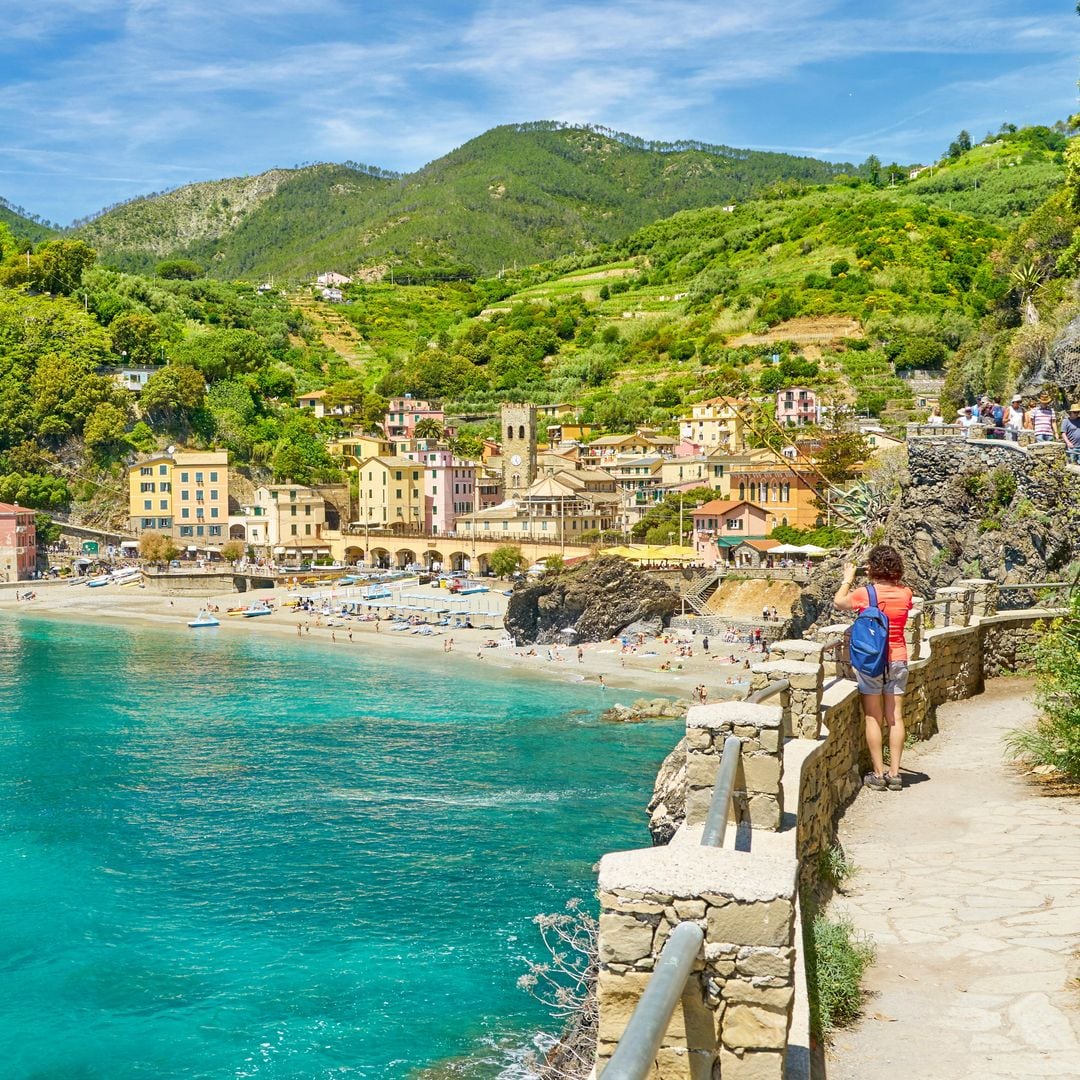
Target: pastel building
column 449, row 488
column 184, row 493
column 716, row 423
column 18, row 543
column 722, row 524
column 796, row 407
column 404, row 413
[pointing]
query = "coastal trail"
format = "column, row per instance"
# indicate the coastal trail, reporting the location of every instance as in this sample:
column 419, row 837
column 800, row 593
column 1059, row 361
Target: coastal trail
column 968, row 882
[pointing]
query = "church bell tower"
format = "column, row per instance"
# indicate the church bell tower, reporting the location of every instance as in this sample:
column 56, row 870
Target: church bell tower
column 518, row 423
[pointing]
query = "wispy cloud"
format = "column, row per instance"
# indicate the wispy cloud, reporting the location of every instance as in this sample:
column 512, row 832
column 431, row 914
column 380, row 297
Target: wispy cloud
column 184, row 89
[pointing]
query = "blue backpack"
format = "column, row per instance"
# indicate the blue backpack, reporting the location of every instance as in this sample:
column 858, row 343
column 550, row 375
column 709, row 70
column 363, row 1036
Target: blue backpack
column 868, row 644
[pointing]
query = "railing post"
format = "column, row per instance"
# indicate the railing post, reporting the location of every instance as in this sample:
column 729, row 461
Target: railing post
column 958, row 606
column 913, row 633
column 758, row 790
column 735, row 1009
column 802, row 707
column 984, row 595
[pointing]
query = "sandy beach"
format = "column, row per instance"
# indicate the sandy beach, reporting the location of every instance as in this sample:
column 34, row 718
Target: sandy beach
column 653, row 669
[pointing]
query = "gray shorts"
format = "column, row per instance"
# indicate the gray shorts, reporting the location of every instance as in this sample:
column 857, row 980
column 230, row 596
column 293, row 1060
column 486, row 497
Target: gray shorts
column 893, row 682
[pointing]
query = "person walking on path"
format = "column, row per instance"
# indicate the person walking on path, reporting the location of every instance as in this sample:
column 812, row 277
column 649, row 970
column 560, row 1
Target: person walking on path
column 1043, row 421
column 883, row 695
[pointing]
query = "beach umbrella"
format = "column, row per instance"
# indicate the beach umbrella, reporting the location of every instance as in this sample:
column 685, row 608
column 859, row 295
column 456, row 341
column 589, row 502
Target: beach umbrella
column 813, row 549
column 787, row 549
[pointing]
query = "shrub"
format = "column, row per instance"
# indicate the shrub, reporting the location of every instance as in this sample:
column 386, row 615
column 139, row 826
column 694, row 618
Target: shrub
column 836, row 957
column 1055, row 738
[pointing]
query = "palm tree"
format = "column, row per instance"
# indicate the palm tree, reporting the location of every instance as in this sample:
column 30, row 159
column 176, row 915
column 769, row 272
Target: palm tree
column 428, row 428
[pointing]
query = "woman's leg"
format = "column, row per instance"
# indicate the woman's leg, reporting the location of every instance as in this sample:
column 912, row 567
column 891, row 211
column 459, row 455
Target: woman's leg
column 873, row 711
column 894, row 720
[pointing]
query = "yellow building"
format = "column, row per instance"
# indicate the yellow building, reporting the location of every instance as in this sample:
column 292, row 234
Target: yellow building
column 184, row 493
column 715, row 423
column 353, row 449
column 294, row 518
column 783, row 485
column 390, row 492
column 703, row 470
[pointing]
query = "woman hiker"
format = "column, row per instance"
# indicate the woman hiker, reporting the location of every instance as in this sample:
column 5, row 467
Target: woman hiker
column 883, row 695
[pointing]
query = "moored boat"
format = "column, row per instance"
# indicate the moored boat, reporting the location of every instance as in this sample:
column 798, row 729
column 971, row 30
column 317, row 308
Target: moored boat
column 204, row 618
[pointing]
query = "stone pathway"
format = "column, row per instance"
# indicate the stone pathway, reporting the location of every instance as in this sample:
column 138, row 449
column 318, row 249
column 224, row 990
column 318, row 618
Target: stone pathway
column 969, row 884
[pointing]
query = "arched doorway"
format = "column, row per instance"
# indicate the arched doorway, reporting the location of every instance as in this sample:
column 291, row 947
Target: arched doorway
column 459, row 560
column 482, row 564
column 433, row 560
column 380, row 558
column 405, row 558
column 354, row 554
column 237, row 532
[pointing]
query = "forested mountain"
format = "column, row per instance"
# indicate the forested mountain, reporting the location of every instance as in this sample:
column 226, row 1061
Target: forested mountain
column 519, row 193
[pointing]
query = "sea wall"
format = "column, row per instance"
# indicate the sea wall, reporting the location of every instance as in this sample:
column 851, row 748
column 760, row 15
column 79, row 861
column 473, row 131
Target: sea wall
column 802, row 759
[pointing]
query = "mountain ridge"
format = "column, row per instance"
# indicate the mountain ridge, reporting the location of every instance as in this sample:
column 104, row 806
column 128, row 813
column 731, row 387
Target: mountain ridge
column 516, row 193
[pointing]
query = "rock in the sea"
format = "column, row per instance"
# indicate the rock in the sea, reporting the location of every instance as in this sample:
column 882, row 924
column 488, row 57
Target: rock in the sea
column 667, row 807
column 645, row 709
column 598, row 598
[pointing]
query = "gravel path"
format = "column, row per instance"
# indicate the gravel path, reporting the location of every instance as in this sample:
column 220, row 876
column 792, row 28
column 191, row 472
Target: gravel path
column 969, row 884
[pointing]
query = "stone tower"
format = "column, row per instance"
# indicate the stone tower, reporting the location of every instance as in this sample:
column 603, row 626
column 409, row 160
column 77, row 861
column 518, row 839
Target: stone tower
column 518, row 432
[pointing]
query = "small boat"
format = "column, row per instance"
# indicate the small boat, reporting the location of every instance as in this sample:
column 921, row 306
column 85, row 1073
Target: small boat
column 257, row 609
column 204, row 618
column 97, row 582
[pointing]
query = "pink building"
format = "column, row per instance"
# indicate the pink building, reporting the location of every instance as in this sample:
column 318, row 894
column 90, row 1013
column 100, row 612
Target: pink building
column 18, row 543
column 720, row 525
column 404, row 413
column 796, row 407
column 449, row 486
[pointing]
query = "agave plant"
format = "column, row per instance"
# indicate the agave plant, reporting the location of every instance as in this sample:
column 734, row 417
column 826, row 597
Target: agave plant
column 863, row 507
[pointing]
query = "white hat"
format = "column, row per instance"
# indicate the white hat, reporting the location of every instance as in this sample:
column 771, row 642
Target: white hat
column 1017, row 397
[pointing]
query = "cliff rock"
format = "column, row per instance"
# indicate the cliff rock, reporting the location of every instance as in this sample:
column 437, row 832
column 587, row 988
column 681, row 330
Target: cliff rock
column 598, row 598
column 667, row 807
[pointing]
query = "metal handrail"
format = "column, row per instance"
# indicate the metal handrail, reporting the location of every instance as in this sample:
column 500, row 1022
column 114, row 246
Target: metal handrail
column 634, row 1056
column 716, row 821
column 766, row 692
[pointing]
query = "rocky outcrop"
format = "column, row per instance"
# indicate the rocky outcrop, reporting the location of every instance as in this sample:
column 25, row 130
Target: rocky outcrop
column 1061, row 368
column 645, row 709
column 598, row 599
column 667, row 807
column 970, row 510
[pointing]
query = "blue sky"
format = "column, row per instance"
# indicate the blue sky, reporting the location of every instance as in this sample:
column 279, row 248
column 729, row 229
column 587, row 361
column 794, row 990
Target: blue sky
column 102, row 100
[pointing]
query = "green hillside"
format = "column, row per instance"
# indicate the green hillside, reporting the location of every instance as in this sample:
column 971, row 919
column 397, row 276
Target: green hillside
column 22, row 226
column 517, row 194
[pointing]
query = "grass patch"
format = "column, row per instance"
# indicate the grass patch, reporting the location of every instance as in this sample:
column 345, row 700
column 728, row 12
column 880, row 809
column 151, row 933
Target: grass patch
column 836, row 957
column 835, row 868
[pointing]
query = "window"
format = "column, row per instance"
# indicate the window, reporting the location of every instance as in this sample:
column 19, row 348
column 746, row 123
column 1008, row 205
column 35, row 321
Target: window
column 294, row 530
column 184, row 478
column 198, row 530
column 397, row 476
column 164, row 486
column 307, row 509
column 742, row 490
column 198, row 478
column 213, row 494
column 163, row 504
column 185, row 530
column 215, row 530
column 307, row 530
column 185, row 495
column 509, row 431
column 785, row 494
column 148, row 504
column 292, row 510
column 734, row 524
column 147, row 523
column 185, row 512
column 292, row 496
column 521, row 431
column 164, row 523
column 397, row 493
column 163, row 470
column 213, row 478
column 213, row 511
column 146, row 487
column 146, row 470
column 199, row 513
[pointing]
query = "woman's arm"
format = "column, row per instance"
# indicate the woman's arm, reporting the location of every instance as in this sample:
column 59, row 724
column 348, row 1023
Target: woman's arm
column 843, row 595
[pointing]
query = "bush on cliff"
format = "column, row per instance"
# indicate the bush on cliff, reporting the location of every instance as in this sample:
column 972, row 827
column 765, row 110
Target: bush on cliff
column 1055, row 739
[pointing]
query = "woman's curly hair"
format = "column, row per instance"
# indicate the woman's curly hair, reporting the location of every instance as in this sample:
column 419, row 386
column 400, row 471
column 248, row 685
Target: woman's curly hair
column 885, row 564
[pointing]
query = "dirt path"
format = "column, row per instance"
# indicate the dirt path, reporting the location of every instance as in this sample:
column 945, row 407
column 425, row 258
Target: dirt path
column 969, row 884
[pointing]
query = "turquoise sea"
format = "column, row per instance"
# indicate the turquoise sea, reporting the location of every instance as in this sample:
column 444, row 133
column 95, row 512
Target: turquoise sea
column 226, row 856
